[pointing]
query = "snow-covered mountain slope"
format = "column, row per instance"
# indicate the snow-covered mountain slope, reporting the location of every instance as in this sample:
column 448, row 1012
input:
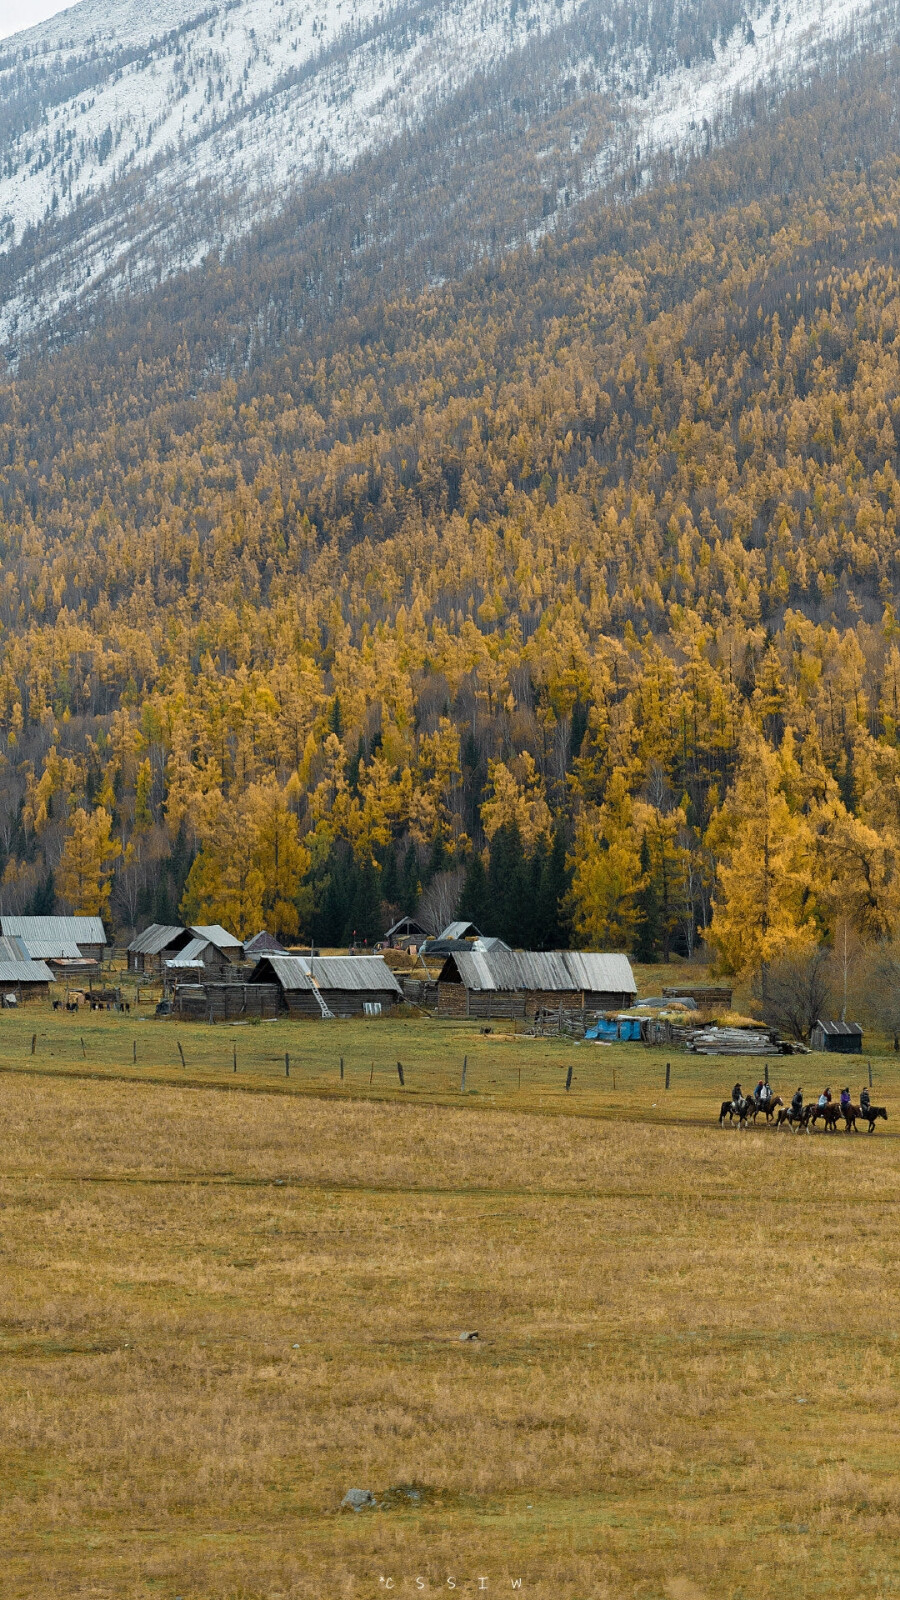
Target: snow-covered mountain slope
column 138, row 135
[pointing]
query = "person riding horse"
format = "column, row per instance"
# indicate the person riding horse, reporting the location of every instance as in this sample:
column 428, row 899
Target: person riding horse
column 737, row 1097
column 797, row 1102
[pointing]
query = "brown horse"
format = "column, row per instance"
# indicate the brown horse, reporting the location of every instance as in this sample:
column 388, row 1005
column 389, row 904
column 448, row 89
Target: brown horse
column 830, row 1115
column 788, row 1117
column 769, row 1108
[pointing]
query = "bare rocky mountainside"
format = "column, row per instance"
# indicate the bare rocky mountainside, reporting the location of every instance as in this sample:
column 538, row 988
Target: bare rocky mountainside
column 137, row 139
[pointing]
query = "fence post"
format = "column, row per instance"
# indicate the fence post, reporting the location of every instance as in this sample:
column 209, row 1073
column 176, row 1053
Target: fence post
column 287, row 1065
column 766, row 1074
column 371, row 1074
column 342, row 1069
column 181, row 1053
column 569, row 1078
column 234, row 1051
column 462, row 1081
column 870, row 1074
column 520, row 1077
column 614, row 1079
column 134, row 1052
column 400, row 1074
column 83, row 1051
column 668, row 1073
column 33, row 1043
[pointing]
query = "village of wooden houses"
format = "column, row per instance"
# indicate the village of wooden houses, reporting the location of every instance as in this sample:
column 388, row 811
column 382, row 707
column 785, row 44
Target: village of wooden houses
column 206, row 974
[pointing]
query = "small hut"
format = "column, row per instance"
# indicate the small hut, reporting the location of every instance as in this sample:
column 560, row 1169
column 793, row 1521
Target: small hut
column 330, row 986
column 837, row 1038
column 198, row 959
column 156, row 945
column 408, row 931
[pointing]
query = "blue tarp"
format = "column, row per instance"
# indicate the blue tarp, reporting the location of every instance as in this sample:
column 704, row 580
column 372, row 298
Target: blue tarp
column 619, row 1028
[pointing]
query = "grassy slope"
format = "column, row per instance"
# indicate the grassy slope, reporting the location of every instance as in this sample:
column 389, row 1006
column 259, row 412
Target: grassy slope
column 222, row 1310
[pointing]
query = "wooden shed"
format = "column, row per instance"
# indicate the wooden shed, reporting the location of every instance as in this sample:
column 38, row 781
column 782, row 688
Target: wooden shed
column 330, row 986
column 837, row 1038
column 408, row 931
column 517, row 983
column 156, row 945
column 199, row 958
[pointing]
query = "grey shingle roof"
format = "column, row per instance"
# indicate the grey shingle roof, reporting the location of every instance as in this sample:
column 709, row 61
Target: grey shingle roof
column 545, row 969
column 155, row 939
column 262, row 943
column 350, row 973
column 842, row 1028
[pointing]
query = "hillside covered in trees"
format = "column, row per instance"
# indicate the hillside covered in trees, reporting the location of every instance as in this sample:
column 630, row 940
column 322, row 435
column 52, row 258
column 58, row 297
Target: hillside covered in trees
column 565, row 593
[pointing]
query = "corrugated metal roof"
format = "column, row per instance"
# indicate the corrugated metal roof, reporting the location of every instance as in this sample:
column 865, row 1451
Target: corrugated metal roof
column 25, row 972
column 190, row 954
column 13, row 949
column 155, row 939
column 213, row 933
column 77, row 930
column 52, row 949
column 459, row 930
column 545, row 969
column 350, row 973
column 841, row 1028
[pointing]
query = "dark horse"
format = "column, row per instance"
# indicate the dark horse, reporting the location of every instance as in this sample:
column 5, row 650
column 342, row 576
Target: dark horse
column 871, row 1116
column 743, row 1110
column 830, row 1114
column 768, row 1106
column 787, row 1116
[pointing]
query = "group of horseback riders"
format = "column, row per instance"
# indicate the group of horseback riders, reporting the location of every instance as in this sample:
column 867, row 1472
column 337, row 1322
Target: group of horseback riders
column 799, row 1113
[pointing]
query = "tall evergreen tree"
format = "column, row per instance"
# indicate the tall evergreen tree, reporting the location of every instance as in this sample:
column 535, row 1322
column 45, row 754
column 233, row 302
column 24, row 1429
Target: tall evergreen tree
column 553, row 928
column 648, row 930
column 365, row 921
column 507, row 886
column 475, row 898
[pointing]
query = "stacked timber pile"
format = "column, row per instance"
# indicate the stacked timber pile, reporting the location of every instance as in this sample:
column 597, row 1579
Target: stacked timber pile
column 706, row 996
column 734, row 1042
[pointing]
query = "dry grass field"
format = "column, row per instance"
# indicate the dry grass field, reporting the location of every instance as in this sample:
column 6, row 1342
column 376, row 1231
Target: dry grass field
column 228, row 1298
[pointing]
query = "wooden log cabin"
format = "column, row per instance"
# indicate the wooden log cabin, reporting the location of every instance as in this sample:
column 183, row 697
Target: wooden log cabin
column 517, row 983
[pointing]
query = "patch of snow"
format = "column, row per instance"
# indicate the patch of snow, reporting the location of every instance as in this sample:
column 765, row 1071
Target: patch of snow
column 150, row 114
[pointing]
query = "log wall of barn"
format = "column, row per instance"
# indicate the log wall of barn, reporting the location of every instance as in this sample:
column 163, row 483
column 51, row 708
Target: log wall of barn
column 342, row 1002
column 223, row 1002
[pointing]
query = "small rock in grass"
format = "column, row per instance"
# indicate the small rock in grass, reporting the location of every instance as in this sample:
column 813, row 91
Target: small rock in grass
column 466, row 1338
column 358, row 1499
